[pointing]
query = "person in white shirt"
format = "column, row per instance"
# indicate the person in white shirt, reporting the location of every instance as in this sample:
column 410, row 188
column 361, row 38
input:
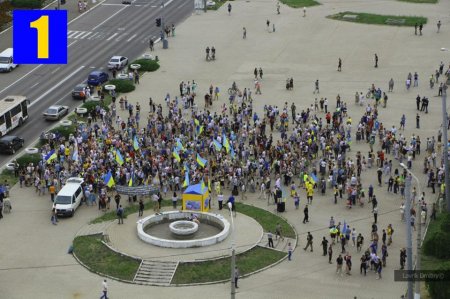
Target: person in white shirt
column 104, row 290
column 220, row 200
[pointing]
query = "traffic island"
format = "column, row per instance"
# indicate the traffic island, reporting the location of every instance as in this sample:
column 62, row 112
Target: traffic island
column 374, row 19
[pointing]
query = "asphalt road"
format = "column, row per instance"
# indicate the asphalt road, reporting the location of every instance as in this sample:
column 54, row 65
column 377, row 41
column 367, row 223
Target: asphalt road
column 111, row 29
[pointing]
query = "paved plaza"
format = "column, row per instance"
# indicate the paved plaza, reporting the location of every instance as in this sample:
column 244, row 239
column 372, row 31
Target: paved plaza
column 33, row 253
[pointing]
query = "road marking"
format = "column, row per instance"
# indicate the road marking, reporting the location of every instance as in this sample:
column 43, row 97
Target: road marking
column 93, row 35
column 63, row 99
column 79, row 34
column 110, row 17
column 112, row 36
column 56, row 86
column 138, row 5
column 55, row 70
column 133, row 36
column 20, row 78
column 92, row 67
column 154, row 6
column 34, row 85
column 167, row 3
column 86, row 34
column 71, row 43
column 113, row 4
column 71, row 33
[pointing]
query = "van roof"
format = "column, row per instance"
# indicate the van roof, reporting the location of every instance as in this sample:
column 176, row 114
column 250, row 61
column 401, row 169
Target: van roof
column 7, row 53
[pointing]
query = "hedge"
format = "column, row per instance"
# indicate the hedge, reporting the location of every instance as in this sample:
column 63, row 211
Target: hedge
column 64, row 131
column 439, row 289
column 26, row 159
column 26, row 3
column 437, row 244
column 90, row 106
column 122, row 86
column 147, row 65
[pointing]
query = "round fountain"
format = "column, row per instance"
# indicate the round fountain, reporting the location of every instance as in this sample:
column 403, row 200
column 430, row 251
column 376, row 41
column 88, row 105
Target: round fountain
column 173, row 230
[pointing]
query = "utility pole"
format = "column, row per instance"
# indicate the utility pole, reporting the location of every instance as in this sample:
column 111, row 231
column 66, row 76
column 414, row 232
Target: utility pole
column 233, row 254
column 445, row 153
column 409, row 263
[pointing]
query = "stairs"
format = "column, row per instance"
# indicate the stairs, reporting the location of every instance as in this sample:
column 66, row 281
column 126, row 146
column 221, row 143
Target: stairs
column 155, row 273
column 94, row 229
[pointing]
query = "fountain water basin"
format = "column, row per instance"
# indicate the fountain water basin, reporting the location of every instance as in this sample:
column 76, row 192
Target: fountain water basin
column 183, row 228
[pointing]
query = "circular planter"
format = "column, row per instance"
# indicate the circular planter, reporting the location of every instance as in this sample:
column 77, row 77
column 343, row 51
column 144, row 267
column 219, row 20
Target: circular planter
column 123, row 76
column 31, row 150
column 10, row 166
column 66, row 123
column 110, row 87
column 135, row 66
column 183, row 227
column 81, row 111
column 147, row 56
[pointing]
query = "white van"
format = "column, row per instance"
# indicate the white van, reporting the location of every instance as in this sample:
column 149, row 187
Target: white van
column 69, row 197
column 6, row 61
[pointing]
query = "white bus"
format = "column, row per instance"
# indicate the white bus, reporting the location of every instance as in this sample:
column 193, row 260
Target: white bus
column 13, row 112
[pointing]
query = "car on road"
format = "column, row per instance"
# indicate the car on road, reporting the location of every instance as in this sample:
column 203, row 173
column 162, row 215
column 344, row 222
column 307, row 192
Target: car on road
column 9, row 144
column 117, row 62
column 79, row 91
column 97, row 78
column 56, row 112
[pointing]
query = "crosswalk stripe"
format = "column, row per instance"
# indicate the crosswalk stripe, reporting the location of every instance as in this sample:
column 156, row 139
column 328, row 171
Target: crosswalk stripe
column 112, row 36
column 80, row 33
column 90, row 37
column 133, row 36
column 85, row 35
column 72, row 33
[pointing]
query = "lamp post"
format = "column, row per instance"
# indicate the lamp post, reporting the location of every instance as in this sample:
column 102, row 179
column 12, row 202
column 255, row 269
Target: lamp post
column 233, row 255
column 445, row 154
column 419, row 229
column 408, row 232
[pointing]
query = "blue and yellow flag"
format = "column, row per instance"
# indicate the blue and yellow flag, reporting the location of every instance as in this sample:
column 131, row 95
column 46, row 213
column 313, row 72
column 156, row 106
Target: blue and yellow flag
column 203, row 184
column 226, row 144
column 135, row 143
column 109, row 180
column 180, row 146
column 130, row 182
column 50, row 156
column 176, row 155
column 202, row 162
column 217, row 145
column 119, row 158
column 232, row 152
column 186, row 179
column 199, row 130
column 209, row 185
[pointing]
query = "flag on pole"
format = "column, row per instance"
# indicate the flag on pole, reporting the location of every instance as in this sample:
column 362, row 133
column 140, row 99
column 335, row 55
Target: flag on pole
column 109, row 180
column 202, row 162
column 176, row 155
column 344, row 229
column 180, row 146
column 186, row 179
column 203, row 184
column 226, row 144
column 75, row 154
column 217, row 145
column 130, row 182
column 135, row 143
column 232, row 153
column 50, row 156
column 119, row 158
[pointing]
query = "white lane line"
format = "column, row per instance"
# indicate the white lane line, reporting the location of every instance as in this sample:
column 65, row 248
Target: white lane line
column 71, row 33
column 133, row 36
column 153, row 6
column 20, row 78
column 112, row 36
column 35, row 85
column 71, row 43
column 110, row 17
column 56, row 86
column 85, row 35
column 113, row 4
column 167, row 3
column 61, row 99
column 90, row 37
column 55, row 70
column 79, row 34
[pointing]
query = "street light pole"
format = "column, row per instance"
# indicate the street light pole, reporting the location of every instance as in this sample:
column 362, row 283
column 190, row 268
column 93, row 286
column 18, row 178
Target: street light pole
column 409, row 266
column 233, row 254
column 419, row 230
column 445, row 153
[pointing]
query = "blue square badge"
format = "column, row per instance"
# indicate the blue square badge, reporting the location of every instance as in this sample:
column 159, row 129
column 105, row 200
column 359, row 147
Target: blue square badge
column 40, row 36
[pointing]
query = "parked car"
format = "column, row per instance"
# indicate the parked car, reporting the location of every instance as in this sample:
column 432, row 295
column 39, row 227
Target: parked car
column 56, row 112
column 69, row 197
column 97, row 78
column 79, row 91
column 9, row 144
column 117, row 62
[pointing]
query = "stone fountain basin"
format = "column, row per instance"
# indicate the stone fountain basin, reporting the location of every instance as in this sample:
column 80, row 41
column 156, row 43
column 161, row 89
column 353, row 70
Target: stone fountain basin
column 170, row 216
column 183, row 227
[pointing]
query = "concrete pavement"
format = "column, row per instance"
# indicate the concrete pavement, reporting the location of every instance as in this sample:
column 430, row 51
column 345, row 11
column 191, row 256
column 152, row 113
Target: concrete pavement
column 33, row 261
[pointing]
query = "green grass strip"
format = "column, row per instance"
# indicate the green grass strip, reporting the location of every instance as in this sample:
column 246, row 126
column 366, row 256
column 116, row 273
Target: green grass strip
column 421, row 1
column 98, row 257
column 217, row 270
column 299, row 3
column 366, row 18
column 266, row 219
column 8, row 175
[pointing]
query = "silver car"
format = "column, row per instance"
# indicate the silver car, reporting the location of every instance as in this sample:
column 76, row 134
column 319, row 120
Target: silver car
column 56, row 112
column 117, row 62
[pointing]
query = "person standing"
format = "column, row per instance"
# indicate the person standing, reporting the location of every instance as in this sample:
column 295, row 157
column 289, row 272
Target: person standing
column 304, row 11
column 402, row 258
column 309, row 242
column 402, row 122
column 104, row 290
column 324, row 246
column 236, row 277
column 305, row 214
column 117, row 200
column 278, row 8
column 151, row 44
column 359, row 242
column 141, row 208
column 52, row 191
column 376, row 60
column 229, row 8
column 260, row 73
column 339, row 262
column 244, row 33
column 268, row 25
column 316, row 87
column 54, row 218
column 417, row 121
column 330, row 253
column 278, row 232
column 339, row 65
column 391, row 85
column 270, row 239
column 363, row 266
column 120, row 214
column 290, row 251
column 375, row 214
column 348, row 264
column 420, row 28
column 415, row 28
column 438, row 26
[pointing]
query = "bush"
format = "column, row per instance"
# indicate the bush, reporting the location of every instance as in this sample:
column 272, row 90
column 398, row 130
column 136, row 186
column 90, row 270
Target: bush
column 122, row 86
column 437, row 245
column 445, row 222
column 26, row 159
column 64, row 131
column 147, row 65
column 90, row 106
column 5, row 11
column 26, row 3
column 439, row 289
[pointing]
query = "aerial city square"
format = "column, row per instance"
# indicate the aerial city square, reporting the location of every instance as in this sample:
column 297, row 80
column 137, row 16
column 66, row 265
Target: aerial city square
column 217, row 149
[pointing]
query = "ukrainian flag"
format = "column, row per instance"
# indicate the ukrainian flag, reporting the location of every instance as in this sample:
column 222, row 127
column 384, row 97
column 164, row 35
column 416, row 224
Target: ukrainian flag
column 119, row 158
column 50, row 156
column 226, row 144
column 180, row 146
column 186, row 179
column 135, row 143
column 200, row 130
column 202, row 162
column 217, row 145
column 203, row 184
column 176, row 155
column 109, row 180
column 130, row 182
column 232, row 153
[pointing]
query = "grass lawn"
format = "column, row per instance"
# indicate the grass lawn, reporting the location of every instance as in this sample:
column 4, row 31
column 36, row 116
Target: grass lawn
column 299, row 3
column 8, row 175
column 420, row 1
column 217, row 6
column 209, row 271
column 98, row 257
column 130, row 209
column 266, row 219
column 367, row 18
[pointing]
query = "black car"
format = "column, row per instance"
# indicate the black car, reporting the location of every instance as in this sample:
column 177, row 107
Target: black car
column 79, row 91
column 9, row 144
